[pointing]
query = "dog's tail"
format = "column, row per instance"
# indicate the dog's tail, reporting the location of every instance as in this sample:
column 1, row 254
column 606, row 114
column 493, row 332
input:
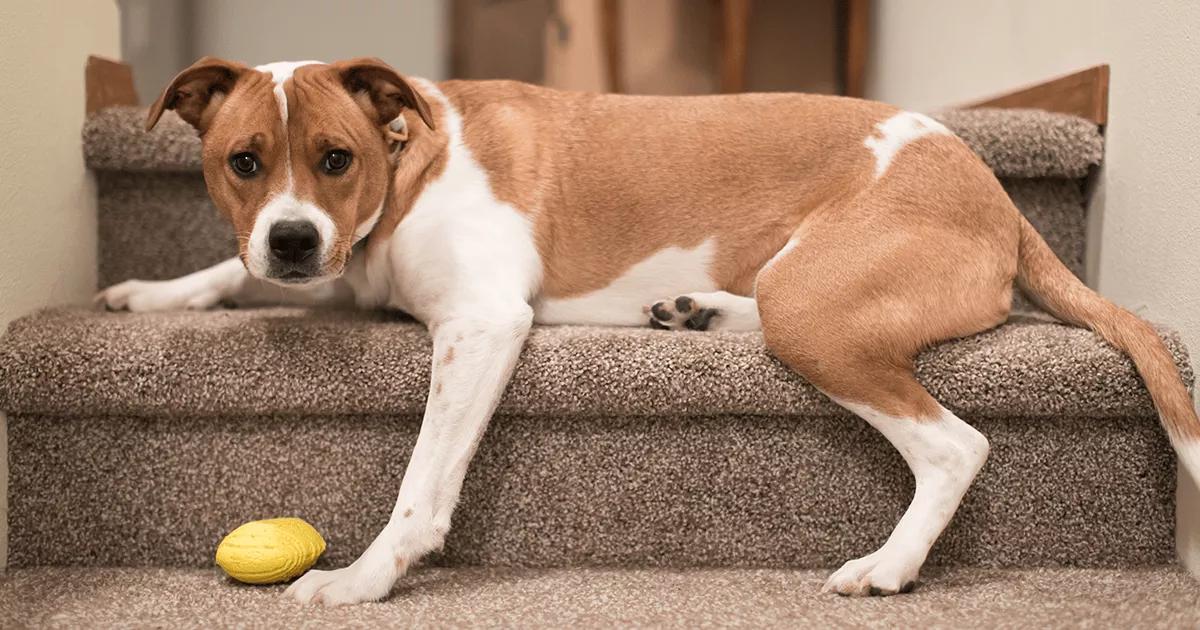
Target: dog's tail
column 1050, row 283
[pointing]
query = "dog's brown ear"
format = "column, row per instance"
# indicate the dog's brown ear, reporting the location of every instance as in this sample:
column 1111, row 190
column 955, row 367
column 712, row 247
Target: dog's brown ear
column 381, row 91
column 197, row 92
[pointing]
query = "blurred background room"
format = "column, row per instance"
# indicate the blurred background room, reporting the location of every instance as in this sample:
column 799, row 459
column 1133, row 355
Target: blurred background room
column 634, row 46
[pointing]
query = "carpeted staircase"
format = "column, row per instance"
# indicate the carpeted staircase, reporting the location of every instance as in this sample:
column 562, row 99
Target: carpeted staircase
column 630, row 476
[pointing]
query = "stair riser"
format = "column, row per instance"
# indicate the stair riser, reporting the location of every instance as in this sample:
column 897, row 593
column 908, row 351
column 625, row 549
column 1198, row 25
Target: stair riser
column 156, row 226
column 725, row 491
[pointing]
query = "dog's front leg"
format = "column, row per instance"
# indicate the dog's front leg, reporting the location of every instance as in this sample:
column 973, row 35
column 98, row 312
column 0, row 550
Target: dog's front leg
column 473, row 358
column 226, row 281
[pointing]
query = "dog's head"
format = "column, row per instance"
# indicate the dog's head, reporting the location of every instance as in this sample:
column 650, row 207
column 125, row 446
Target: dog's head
column 298, row 156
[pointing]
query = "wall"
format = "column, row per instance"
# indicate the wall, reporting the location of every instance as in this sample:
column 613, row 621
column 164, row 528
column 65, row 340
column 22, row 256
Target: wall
column 162, row 37
column 411, row 35
column 156, row 40
column 1145, row 229
column 47, row 198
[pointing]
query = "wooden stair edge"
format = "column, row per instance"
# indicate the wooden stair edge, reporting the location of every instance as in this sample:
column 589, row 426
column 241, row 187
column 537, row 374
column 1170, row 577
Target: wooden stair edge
column 1083, row 93
column 107, row 82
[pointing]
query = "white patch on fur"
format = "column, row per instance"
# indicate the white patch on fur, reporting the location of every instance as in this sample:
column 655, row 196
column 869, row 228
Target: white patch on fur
column 1188, row 452
column 280, row 72
column 783, row 251
column 787, row 248
column 895, row 133
column 285, row 207
column 944, row 455
column 669, row 271
column 365, row 227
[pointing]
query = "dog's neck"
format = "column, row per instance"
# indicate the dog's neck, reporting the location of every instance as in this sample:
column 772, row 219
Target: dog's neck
column 417, row 160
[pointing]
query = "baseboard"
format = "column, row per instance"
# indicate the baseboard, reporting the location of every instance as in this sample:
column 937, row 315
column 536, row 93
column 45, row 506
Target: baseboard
column 3, row 493
column 1187, row 522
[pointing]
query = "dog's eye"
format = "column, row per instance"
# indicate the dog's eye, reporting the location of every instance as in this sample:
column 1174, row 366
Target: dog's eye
column 244, row 164
column 336, row 162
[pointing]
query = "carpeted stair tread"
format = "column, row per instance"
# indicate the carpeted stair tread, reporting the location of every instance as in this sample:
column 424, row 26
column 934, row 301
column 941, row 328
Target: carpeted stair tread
column 627, row 447
column 1162, row 597
column 305, row 362
column 1028, row 143
column 1016, row 143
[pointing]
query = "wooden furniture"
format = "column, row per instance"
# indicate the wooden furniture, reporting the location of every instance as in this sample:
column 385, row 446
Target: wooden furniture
column 854, row 42
column 732, row 42
column 665, row 46
column 732, row 38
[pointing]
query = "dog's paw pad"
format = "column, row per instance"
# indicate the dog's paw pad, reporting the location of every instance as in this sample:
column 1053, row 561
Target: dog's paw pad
column 701, row 319
column 657, row 325
column 681, row 312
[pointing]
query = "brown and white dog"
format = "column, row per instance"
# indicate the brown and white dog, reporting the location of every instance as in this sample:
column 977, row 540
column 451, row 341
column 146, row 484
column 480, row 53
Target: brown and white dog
column 853, row 234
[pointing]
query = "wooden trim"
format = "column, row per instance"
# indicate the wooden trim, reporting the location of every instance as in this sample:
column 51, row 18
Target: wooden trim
column 854, row 54
column 735, row 25
column 106, row 83
column 460, row 13
column 1083, row 94
column 610, row 31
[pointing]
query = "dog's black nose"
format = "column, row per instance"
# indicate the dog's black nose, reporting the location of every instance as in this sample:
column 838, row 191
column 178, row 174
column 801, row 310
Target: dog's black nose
column 293, row 241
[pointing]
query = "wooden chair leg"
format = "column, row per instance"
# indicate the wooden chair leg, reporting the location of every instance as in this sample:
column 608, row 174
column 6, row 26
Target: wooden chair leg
column 735, row 22
column 610, row 26
column 854, row 38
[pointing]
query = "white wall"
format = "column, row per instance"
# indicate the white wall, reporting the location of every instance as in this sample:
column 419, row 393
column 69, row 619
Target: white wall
column 411, row 35
column 1144, row 249
column 47, row 198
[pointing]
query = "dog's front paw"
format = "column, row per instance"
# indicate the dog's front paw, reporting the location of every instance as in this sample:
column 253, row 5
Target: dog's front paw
column 681, row 312
column 339, row 587
column 369, row 579
column 876, row 575
column 142, row 296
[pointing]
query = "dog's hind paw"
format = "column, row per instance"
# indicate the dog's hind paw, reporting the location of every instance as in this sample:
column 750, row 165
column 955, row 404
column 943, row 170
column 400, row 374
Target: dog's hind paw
column 681, row 312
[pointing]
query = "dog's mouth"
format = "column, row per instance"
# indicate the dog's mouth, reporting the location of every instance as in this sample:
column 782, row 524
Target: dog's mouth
column 298, row 277
column 301, row 276
column 310, row 272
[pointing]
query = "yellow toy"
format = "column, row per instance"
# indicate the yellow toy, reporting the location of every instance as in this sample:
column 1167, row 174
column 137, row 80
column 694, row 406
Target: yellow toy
column 270, row 551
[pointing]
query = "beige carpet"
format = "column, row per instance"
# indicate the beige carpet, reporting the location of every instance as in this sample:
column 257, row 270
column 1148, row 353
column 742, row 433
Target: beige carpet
column 579, row 598
column 627, row 447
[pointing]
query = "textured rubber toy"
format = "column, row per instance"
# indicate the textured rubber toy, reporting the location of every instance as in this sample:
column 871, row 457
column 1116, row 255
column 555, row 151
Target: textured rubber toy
column 270, row 551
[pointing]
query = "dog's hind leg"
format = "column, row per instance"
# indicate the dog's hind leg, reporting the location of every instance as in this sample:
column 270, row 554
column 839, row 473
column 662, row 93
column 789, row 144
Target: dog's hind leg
column 944, row 454
column 850, row 310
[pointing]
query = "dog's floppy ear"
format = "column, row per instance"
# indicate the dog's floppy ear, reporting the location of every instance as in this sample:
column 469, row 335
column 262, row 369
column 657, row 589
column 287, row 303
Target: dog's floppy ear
column 197, row 92
column 380, row 90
